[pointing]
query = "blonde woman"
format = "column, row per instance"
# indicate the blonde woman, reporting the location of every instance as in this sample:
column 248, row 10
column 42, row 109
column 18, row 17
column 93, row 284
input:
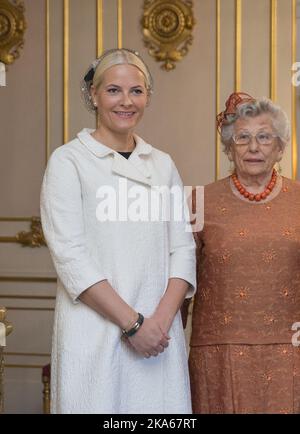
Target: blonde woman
column 118, row 342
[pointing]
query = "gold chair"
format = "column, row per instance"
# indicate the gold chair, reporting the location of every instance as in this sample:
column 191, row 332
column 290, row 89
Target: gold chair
column 46, row 375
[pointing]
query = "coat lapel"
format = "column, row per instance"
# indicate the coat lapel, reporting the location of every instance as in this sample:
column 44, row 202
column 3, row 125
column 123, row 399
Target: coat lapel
column 126, row 168
column 135, row 168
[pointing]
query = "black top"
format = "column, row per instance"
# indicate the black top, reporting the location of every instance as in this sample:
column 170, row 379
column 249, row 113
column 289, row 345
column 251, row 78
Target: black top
column 125, row 154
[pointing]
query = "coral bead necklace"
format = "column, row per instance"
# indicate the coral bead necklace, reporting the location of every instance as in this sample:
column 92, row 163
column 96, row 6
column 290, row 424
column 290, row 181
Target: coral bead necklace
column 255, row 197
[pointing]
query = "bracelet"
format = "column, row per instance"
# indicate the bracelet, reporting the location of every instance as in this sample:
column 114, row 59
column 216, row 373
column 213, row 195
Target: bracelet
column 135, row 327
column 132, row 322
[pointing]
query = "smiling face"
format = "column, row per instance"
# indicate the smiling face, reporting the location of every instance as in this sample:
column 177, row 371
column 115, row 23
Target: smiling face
column 121, row 98
column 254, row 159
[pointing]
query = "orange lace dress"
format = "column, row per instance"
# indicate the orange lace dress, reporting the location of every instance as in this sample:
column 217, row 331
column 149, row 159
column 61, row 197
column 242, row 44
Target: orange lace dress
column 242, row 359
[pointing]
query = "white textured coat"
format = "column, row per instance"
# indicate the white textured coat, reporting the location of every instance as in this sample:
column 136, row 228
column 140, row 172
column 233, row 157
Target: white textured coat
column 93, row 371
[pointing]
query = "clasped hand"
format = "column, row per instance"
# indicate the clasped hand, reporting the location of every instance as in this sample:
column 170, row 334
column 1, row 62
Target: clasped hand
column 150, row 339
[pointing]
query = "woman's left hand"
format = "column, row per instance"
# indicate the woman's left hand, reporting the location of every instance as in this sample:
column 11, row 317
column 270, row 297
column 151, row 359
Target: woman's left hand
column 163, row 322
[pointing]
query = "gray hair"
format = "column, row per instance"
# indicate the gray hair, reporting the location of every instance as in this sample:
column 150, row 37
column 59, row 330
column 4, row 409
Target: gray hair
column 252, row 109
column 115, row 56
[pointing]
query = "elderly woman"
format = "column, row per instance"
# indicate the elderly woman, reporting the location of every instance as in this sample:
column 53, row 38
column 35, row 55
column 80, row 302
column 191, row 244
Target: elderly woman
column 118, row 342
column 242, row 359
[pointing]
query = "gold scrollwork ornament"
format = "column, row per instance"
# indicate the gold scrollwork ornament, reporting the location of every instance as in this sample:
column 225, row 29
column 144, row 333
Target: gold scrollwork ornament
column 33, row 238
column 167, row 29
column 12, row 29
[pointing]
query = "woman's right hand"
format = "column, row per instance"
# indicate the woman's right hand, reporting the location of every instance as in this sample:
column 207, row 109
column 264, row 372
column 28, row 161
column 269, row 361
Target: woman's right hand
column 149, row 340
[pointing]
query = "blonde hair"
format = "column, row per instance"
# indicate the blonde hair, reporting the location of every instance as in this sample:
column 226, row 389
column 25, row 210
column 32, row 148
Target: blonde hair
column 121, row 57
column 116, row 56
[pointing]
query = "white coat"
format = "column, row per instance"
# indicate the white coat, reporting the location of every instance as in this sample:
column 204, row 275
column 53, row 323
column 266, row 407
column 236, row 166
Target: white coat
column 92, row 369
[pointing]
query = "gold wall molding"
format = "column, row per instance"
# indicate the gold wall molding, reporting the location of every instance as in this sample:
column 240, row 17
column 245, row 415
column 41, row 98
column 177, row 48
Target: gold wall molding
column 99, row 28
column 23, row 366
column 12, row 29
column 218, row 84
column 32, row 238
column 238, row 45
column 294, row 94
column 47, row 47
column 15, row 219
column 27, row 297
column 120, row 23
column 273, row 51
column 8, row 239
column 66, row 72
column 28, row 279
column 99, row 39
column 167, row 30
column 28, row 354
column 35, row 309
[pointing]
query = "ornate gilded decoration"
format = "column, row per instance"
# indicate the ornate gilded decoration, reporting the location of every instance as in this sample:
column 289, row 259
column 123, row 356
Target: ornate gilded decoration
column 46, row 373
column 8, row 326
column 167, row 29
column 12, row 28
column 34, row 238
column 8, row 330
